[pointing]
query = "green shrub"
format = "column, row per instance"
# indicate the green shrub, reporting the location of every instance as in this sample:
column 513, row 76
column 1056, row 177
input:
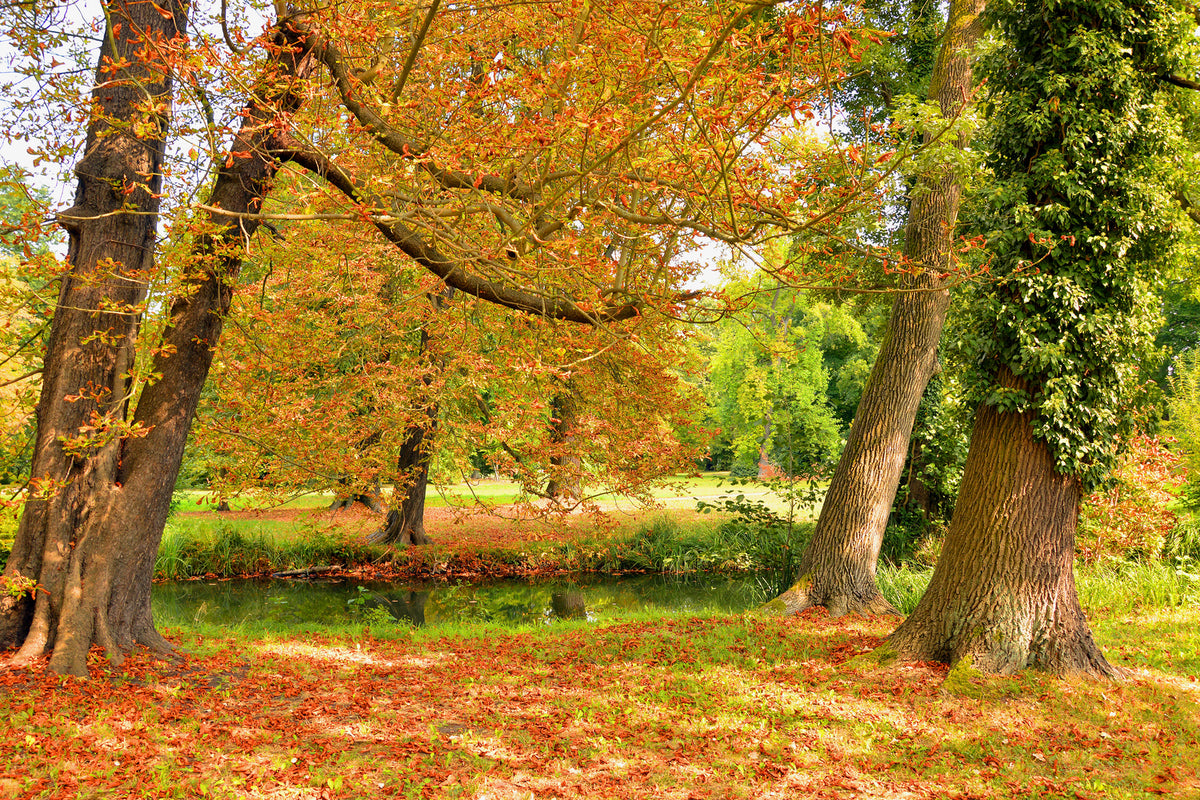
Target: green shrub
column 9, row 519
column 1183, row 540
column 731, row 546
column 1185, row 423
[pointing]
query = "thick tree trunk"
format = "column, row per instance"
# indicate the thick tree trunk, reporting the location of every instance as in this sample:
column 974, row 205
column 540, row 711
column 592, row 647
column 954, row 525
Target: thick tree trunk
column 1003, row 593
column 90, row 537
column 566, row 468
column 62, row 542
column 838, row 568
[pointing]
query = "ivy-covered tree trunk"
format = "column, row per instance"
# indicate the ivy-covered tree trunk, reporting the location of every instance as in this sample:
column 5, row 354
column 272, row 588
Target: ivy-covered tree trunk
column 837, row 569
column 1075, row 143
column 89, row 535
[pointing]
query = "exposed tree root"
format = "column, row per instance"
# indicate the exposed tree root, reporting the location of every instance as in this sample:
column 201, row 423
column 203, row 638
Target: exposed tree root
column 398, row 530
column 801, row 597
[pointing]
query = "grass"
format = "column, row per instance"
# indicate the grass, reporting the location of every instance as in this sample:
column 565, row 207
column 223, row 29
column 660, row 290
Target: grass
column 229, row 551
column 698, row 707
column 664, row 543
column 492, row 492
column 653, row 705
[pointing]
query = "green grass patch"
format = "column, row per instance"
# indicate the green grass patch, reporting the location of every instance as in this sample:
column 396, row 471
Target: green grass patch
column 903, row 585
column 9, row 520
column 1122, row 587
column 663, row 544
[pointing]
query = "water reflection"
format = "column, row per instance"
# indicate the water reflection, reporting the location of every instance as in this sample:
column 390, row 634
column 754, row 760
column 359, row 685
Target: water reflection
column 284, row 603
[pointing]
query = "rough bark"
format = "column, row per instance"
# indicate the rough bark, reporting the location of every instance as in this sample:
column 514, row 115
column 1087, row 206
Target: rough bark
column 1003, row 593
column 838, row 568
column 62, row 542
column 566, row 468
column 91, row 538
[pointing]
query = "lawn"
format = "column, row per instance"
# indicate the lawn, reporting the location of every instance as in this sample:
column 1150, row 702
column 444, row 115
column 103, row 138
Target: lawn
column 722, row 707
column 472, row 533
column 491, row 493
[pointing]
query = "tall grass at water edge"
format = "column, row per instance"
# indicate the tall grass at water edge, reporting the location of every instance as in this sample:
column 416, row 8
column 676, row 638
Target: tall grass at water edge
column 665, row 545
column 228, row 551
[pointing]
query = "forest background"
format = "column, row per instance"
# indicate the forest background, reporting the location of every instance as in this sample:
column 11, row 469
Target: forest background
column 343, row 369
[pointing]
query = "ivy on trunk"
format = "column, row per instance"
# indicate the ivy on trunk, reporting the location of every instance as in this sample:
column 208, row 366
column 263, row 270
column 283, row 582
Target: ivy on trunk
column 1079, row 220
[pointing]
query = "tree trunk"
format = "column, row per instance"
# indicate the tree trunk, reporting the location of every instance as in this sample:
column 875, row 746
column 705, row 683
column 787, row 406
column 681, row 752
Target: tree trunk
column 62, row 542
column 1003, row 593
column 405, row 523
column 369, row 499
column 838, row 568
column 90, row 536
column 566, row 468
column 764, row 447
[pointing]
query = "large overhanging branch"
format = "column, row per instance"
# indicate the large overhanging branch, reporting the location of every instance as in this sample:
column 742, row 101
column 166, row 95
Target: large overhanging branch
column 1180, row 81
column 451, row 271
column 401, row 145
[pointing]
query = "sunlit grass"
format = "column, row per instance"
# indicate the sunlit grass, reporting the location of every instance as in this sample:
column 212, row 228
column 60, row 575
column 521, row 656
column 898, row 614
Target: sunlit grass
column 713, row 707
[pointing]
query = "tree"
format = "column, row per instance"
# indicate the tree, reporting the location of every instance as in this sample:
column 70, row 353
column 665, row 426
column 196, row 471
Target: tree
column 474, row 146
column 768, row 381
column 88, row 536
column 837, row 569
column 1080, row 216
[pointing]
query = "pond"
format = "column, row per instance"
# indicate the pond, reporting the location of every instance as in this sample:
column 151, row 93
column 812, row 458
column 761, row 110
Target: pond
column 278, row 604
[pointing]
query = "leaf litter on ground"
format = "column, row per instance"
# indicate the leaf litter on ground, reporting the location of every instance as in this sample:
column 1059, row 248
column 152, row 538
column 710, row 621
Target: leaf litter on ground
column 720, row 707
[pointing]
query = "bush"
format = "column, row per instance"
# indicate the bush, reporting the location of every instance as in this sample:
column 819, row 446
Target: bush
column 1132, row 520
column 1183, row 541
column 731, row 546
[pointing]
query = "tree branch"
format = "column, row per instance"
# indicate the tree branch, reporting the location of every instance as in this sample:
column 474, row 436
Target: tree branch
column 449, row 270
column 1180, row 81
column 402, row 146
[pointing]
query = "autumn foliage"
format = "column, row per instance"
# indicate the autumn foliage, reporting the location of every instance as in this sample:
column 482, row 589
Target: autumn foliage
column 1133, row 518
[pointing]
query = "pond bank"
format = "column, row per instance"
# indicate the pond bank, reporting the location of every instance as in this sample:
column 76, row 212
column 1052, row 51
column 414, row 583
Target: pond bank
column 675, row 542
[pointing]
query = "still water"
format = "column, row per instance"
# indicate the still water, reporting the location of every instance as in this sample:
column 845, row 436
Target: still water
column 279, row 604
